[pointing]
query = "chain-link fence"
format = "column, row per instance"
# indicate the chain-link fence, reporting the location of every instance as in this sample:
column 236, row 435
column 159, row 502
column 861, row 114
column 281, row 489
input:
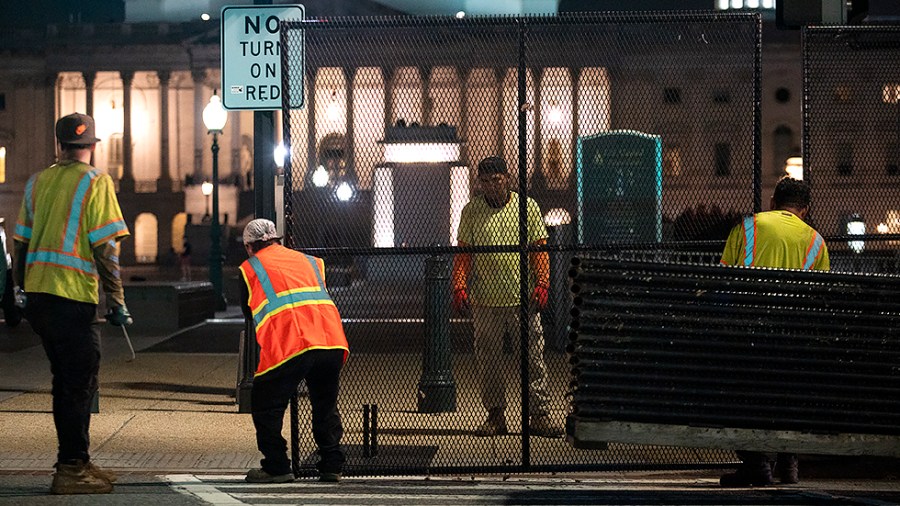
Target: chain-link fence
column 851, row 142
column 626, row 131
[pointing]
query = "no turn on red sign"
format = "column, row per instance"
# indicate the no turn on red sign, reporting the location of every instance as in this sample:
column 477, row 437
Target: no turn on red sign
column 251, row 56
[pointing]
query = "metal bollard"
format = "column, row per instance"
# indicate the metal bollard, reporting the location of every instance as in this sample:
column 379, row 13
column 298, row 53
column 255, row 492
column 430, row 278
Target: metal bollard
column 248, row 360
column 374, row 430
column 437, row 388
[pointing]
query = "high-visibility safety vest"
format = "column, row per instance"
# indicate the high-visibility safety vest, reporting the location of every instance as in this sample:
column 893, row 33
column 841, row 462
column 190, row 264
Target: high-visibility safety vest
column 68, row 209
column 776, row 239
column 292, row 311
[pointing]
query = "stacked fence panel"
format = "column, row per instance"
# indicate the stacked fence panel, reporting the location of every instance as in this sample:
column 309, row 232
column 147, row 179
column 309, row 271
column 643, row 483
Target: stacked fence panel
column 716, row 346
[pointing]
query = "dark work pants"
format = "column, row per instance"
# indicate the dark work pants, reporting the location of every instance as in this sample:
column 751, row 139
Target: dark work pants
column 72, row 344
column 271, row 395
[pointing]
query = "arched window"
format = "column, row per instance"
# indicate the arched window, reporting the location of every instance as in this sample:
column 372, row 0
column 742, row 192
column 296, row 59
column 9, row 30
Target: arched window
column 145, row 238
column 179, row 222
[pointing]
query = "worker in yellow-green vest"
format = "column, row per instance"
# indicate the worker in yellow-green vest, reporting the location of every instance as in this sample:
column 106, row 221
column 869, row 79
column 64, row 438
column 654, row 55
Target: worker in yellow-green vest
column 66, row 239
column 778, row 238
column 300, row 337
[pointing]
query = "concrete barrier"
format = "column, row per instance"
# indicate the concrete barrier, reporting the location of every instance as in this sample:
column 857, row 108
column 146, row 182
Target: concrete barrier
column 165, row 307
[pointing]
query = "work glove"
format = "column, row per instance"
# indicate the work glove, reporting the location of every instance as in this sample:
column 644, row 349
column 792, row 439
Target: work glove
column 119, row 316
column 460, row 301
column 539, row 298
column 21, row 300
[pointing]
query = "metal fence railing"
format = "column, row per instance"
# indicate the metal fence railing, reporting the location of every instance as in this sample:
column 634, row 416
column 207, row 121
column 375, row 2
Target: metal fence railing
column 595, row 118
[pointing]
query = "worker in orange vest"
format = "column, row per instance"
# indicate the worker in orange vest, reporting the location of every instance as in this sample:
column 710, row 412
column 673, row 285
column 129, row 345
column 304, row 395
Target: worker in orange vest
column 300, row 337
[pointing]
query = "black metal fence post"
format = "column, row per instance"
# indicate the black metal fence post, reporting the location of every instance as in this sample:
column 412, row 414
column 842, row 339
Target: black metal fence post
column 437, row 388
column 249, row 362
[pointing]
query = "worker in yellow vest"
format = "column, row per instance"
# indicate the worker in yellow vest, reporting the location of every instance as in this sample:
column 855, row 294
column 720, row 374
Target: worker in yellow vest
column 778, row 238
column 67, row 237
column 300, row 337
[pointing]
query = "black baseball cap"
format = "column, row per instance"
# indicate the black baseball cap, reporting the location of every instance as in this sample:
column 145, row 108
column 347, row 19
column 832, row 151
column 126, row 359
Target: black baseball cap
column 76, row 129
column 492, row 165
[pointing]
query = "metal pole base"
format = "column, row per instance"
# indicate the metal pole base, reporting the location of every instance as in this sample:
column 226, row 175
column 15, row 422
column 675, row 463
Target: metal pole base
column 436, row 397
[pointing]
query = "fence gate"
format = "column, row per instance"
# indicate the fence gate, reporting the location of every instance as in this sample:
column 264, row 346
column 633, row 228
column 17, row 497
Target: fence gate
column 593, row 115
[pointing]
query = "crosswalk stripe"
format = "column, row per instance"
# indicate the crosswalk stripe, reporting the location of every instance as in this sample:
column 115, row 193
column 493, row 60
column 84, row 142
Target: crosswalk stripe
column 191, row 485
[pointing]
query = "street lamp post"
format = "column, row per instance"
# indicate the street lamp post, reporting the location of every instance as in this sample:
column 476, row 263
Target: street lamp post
column 214, row 117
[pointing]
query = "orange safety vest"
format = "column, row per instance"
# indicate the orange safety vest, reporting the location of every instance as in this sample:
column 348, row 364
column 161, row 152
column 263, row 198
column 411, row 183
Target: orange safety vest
column 292, row 311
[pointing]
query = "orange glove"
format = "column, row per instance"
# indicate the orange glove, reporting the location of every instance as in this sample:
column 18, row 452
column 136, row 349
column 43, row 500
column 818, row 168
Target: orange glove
column 460, row 301
column 539, row 297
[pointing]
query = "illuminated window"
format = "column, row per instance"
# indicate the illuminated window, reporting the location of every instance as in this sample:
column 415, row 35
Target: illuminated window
column 723, row 5
column 2, row 164
column 145, row 238
column 115, row 161
column 890, row 93
column 842, row 93
column 672, row 161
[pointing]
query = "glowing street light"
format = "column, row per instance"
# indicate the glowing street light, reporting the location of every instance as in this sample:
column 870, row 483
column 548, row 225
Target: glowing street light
column 856, row 226
column 206, row 188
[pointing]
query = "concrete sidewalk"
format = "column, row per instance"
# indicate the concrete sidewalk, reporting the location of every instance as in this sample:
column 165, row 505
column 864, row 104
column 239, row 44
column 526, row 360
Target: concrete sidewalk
column 161, row 412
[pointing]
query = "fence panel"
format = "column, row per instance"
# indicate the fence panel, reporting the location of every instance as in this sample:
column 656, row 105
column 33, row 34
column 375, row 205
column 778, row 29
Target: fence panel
column 595, row 117
column 851, row 141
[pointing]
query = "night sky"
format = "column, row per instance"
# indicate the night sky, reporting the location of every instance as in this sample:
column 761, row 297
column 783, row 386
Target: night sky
column 35, row 13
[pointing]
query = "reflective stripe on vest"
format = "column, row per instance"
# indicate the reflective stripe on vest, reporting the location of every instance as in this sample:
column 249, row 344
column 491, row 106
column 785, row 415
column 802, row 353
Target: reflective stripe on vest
column 67, row 256
column 815, row 246
column 812, row 251
column 749, row 240
column 275, row 303
column 24, row 231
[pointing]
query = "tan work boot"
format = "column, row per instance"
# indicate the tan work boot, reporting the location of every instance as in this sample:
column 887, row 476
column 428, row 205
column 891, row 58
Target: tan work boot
column 494, row 425
column 77, row 478
column 542, row 426
column 102, row 473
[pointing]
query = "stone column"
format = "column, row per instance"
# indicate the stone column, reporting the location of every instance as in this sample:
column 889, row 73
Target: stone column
column 501, row 77
column 89, row 78
column 388, row 97
column 425, row 76
column 164, row 184
column 576, row 127
column 537, row 114
column 311, row 156
column 234, row 121
column 51, row 83
column 199, row 77
column 463, row 130
column 349, row 136
column 126, row 184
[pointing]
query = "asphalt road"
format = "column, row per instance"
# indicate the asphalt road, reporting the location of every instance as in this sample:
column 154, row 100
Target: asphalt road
column 624, row 489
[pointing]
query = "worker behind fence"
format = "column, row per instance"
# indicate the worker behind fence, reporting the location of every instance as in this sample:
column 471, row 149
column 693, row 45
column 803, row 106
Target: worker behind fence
column 67, row 236
column 777, row 238
column 300, row 337
column 492, row 219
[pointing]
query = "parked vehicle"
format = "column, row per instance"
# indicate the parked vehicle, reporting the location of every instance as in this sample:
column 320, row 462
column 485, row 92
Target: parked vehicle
column 12, row 315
